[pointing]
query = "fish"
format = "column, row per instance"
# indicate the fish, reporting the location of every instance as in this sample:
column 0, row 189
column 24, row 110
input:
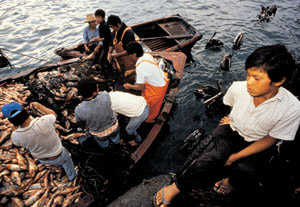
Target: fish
column 16, row 178
column 17, row 201
column 70, row 199
column 12, row 190
column 73, row 136
column 39, row 175
column 4, row 172
column 27, row 182
column 71, row 94
column 238, row 40
column 32, row 167
column 56, row 202
column 46, row 180
column 14, row 167
column 42, row 201
column 20, row 158
column 5, row 135
column 226, row 62
column 34, row 197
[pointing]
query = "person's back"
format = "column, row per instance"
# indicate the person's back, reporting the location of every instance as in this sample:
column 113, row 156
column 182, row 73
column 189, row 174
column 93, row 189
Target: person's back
column 96, row 113
column 147, row 70
column 40, row 137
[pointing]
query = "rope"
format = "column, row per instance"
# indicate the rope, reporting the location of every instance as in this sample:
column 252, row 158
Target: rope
column 25, row 55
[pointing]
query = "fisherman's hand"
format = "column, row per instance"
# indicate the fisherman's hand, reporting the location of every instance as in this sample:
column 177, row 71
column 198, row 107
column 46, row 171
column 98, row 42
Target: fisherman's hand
column 96, row 50
column 109, row 58
column 127, row 73
column 127, row 86
column 232, row 158
column 224, row 120
column 93, row 40
column 87, row 49
column 35, row 105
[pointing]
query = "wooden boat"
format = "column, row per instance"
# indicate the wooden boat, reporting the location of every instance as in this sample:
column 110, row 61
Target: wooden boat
column 168, row 34
column 176, row 59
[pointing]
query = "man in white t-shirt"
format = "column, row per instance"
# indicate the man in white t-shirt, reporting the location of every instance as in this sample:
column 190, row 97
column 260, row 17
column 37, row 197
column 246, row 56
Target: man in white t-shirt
column 263, row 115
column 134, row 107
column 38, row 135
column 150, row 79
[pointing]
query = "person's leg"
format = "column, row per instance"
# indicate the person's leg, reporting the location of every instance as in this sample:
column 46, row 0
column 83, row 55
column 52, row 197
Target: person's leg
column 135, row 123
column 68, row 164
column 102, row 142
column 202, row 169
column 248, row 172
column 115, row 136
column 65, row 161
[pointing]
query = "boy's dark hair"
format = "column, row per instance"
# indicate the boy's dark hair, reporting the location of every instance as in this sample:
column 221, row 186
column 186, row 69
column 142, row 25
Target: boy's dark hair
column 100, row 12
column 19, row 118
column 86, row 86
column 274, row 59
column 135, row 47
column 113, row 20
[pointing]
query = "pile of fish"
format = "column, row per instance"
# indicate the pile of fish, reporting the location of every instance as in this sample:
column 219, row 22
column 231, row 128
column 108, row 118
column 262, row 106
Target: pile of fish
column 24, row 182
column 57, row 89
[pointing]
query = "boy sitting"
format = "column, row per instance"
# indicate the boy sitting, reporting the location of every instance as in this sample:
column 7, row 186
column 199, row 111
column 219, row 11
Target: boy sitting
column 263, row 115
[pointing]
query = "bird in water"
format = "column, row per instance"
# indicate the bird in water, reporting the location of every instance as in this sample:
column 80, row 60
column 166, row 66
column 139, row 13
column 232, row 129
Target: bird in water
column 206, row 91
column 272, row 10
column 213, row 44
column 226, row 62
column 266, row 13
column 4, row 62
column 238, row 41
column 211, row 96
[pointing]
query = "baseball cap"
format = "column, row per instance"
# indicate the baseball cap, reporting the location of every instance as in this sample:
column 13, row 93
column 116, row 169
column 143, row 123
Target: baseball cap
column 11, row 110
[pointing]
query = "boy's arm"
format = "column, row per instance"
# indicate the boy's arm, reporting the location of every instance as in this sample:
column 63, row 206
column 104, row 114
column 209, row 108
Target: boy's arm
column 44, row 109
column 138, row 87
column 254, row 148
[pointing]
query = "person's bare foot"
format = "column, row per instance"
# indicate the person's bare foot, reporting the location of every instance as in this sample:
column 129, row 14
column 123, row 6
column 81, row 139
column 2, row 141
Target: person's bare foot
column 167, row 194
column 223, row 187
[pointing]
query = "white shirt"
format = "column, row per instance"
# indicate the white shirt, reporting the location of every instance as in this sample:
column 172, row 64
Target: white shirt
column 127, row 104
column 39, row 137
column 148, row 72
column 278, row 116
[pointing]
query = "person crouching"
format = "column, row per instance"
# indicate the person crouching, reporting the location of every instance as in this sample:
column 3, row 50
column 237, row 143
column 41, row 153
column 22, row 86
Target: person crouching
column 38, row 135
column 96, row 114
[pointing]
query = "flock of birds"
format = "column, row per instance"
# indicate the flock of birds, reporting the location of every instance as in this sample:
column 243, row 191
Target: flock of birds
column 211, row 94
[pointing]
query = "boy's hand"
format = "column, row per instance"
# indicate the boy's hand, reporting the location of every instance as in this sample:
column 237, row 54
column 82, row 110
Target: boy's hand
column 127, row 86
column 224, row 120
column 234, row 157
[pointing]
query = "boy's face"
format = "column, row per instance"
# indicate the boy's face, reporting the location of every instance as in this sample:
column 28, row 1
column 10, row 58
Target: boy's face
column 258, row 82
column 115, row 28
column 99, row 19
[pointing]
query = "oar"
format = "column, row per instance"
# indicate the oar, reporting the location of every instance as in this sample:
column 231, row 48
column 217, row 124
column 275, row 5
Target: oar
column 167, row 37
column 212, row 36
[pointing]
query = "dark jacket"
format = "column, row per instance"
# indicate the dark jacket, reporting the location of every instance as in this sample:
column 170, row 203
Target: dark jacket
column 104, row 32
column 128, row 36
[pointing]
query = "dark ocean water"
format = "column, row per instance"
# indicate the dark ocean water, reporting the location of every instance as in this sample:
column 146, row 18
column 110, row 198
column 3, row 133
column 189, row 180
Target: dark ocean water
column 38, row 27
